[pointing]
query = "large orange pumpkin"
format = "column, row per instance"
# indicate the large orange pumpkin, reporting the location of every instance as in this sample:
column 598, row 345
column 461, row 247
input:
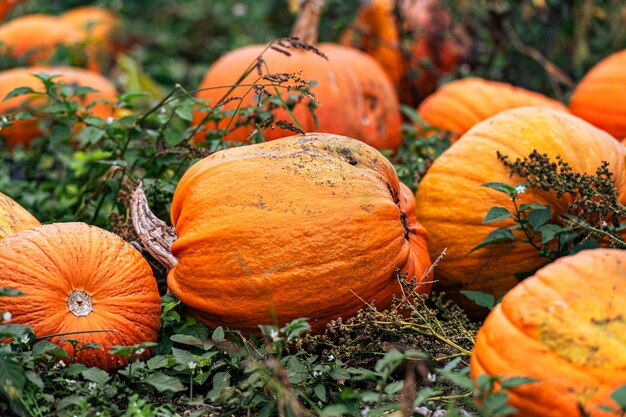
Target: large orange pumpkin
column 23, row 131
column 357, row 99
column 14, row 217
column 451, row 203
column 39, row 35
column 80, row 278
column 566, row 328
column 599, row 97
column 305, row 226
column 459, row 105
column 436, row 49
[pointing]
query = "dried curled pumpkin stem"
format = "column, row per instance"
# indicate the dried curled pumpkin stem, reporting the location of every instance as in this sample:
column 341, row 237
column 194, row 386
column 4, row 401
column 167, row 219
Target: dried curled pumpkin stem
column 306, row 27
column 155, row 235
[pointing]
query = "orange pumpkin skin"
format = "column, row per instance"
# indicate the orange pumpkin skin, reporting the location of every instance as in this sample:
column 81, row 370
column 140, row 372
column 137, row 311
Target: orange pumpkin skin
column 78, row 278
column 461, row 104
column 23, row 131
column 97, row 25
column 357, row 99
column 38, row 33
column 451, row 203
column 599, row 97
column 565, row 327
column 435, row 40
column 14, row 217
column 324, row 225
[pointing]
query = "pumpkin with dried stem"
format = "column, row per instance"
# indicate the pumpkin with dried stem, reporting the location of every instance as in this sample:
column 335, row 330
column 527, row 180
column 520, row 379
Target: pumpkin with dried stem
column 565, row 327
column 306, row 226
column 84, row 283
column 356, row 97
column 14, row 217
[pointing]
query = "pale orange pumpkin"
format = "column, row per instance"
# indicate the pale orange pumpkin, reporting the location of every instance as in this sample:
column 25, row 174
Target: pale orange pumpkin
column 459, row 105
column 451, row 203
column 566, row 328
column 600, row 95
column 357, row 99
column 80, row 278
column 23, row 131
column 14, row 217
column 306, row 226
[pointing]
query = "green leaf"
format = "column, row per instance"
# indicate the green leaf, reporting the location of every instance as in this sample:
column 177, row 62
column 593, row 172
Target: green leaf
column 320, row 392
column 59, row 134
column 502, row 187
column 14, row 331
column 532, row 206
column 82, row 90
column 499, row 235
column 517, row 381
column 182, row 357
column 11, row 374
column 540, row 216
column 619, row 396
column 96, row 375
column 548, row 231
column 45, row 347
column 10, row 292
column 162, row 382
column 394, row 387
column 218, row 334
column 156, row 362
column 35, row 379
column 173, row 136
column 19, row 91
column 496, row 213
column 480, row 298
column 335, row 410
column 587, row 244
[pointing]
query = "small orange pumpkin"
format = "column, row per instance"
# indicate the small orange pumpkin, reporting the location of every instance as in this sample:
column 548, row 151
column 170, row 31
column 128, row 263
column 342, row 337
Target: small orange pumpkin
column 599, row 97
column 436, row 48
column 451, row 203
column 459, row 105
column 39, row 34
column 80, row 278
column 23, row 131
column 14, row 217
column 357, row 99
column 565, row 327
column 324, row 226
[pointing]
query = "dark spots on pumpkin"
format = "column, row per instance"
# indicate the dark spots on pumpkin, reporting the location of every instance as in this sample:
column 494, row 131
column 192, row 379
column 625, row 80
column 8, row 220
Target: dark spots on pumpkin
column 348, row 155
column 404, row 225
column 608, row 320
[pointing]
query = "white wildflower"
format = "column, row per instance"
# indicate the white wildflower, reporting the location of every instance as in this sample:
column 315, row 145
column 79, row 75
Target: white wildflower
column 110, row 119
column 604, row 224
column 139, row 351
column 25, row 339
column 92, row 386
column 365, row 411
column 192, row 365
column 331, row 358
column 239, row 9
column 431, row 377
column 274, row 334
column 6, row 316
column 521, row 189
